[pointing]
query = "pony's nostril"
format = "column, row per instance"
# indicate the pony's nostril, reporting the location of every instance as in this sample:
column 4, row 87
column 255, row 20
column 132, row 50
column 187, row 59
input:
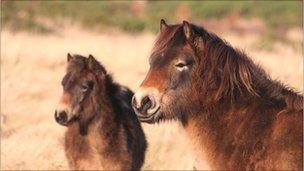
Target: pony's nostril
column 145, row 104
column 145, row 100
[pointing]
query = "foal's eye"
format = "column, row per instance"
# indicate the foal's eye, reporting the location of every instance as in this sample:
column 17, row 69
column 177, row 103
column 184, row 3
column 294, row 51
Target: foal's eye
column 87, row 86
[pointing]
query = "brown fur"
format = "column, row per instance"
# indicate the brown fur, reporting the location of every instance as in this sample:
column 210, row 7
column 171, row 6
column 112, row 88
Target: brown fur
column 106, row 134
column 236, row 116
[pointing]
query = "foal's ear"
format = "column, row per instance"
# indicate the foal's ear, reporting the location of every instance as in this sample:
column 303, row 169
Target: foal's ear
column 69, row 57
column 163, row 25
column 93, row 64
column 187, row 30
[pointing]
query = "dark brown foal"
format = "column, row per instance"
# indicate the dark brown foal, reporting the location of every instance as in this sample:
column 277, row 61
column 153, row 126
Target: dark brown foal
column 103, row 130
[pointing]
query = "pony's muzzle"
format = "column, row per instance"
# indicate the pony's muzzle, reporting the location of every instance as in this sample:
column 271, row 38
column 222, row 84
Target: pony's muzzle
column 142, row 105
column 145, row 104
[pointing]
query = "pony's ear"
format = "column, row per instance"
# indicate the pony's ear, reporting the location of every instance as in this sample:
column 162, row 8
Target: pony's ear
column 196, row 40
column 187, row 30
column 163, row 25
column 69, row 57
column 93, row 64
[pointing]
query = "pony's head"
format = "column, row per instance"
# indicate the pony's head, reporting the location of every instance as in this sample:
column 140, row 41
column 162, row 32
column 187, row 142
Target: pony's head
column 189, row 68
column 83, row 83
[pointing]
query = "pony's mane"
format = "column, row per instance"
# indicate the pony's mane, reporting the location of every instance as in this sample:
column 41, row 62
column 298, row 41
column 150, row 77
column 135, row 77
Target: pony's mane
column 165, row 37
column 228, row 71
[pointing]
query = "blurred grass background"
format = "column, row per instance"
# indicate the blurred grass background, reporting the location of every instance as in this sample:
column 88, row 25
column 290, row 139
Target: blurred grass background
column 144, row 15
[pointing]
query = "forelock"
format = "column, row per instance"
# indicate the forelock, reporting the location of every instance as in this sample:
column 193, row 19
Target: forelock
column 167, row 37
column 77, row 64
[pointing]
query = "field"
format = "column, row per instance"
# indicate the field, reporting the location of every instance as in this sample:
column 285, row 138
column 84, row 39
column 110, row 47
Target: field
column 32, row 66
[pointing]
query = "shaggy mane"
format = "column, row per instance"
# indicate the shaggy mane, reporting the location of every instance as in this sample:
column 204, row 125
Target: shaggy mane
column 227, row 72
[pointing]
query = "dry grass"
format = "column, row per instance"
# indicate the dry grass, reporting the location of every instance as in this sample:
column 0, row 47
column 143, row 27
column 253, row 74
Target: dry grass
column 31, row 70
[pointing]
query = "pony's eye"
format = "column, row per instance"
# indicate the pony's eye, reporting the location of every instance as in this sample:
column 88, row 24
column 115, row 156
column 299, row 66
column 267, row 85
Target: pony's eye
column 84, row 87
column 181, row 66
column 87, row 86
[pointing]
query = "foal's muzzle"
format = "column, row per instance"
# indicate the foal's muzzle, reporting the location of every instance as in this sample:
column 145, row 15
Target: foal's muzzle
column 61, row 117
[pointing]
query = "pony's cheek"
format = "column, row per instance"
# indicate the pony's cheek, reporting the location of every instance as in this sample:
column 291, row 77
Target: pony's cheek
column 171, row 104
column 179, row 80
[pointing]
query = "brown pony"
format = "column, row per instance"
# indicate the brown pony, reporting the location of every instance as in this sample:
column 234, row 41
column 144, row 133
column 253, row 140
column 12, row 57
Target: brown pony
column 236, row 116
column 103, row 130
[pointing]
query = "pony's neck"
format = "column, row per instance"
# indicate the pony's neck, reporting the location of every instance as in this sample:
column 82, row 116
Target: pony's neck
column 205, row 128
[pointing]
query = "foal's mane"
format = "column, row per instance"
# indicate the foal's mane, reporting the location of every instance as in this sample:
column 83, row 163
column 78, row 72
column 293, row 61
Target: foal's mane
column 227, row 71
column 79, row 66
column 115, row 92
column 80, row 63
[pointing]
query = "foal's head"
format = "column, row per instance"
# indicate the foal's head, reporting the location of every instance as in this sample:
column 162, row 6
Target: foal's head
column 84, row 82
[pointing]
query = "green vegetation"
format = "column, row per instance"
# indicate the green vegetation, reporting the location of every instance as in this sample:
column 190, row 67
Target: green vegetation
column 139, row 16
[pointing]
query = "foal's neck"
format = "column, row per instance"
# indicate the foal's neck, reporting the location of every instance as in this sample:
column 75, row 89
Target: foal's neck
column 107, row 114
column 104, row 115
column 105, row 128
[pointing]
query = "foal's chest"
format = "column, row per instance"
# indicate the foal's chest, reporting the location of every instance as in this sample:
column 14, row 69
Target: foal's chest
column 82, row 153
